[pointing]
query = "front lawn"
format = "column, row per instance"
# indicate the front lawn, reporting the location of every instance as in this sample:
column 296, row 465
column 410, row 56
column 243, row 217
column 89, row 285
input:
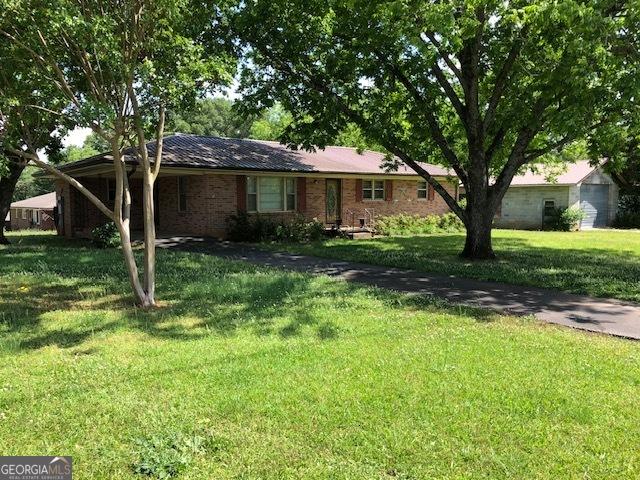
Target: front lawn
column 603, row 263
column 248, row 372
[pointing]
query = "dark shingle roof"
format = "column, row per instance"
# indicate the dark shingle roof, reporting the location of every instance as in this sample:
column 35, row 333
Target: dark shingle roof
column 255, row 155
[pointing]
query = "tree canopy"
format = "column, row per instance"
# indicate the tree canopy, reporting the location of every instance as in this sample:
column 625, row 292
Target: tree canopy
column 483, row 88
column 212, row 117
column 119, row 66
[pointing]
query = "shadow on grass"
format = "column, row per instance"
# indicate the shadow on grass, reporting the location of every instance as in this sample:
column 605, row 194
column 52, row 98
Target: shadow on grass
column 588, row 270
column 200, row 295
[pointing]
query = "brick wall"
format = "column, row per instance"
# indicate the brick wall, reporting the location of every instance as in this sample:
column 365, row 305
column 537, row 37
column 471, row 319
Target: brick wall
column 212, row 198
column 18, row 223
column 404, row 199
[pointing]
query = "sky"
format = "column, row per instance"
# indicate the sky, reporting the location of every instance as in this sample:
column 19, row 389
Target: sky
column 77, row 136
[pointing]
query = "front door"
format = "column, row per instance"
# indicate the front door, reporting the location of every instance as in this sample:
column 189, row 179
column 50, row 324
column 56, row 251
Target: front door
column 334, row 201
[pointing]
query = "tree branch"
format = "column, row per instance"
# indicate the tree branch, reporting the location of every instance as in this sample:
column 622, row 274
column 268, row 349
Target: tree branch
column 312, row 80
column 159, row 142
column 502, row 79
column 437, row 186
column 432, row 123
column 63, row 176
column 445, row 56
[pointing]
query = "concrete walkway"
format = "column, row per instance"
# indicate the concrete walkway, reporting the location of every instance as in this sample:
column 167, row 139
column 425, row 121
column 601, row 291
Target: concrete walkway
column 612, row 317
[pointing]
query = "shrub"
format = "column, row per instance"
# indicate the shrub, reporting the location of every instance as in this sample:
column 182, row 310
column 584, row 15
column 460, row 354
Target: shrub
column 566, row 219
column 256, row 228
column 629, row 203
column 628, row 215
column 404, row 224
column 627, row 220
column 106, row 236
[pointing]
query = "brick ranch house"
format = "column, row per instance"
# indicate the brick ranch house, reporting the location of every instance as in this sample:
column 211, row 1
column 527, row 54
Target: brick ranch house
column 35, row 212
column 205, row 180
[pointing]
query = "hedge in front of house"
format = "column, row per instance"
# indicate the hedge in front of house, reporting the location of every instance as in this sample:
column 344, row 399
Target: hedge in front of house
column 257, row 228
column 405, row 224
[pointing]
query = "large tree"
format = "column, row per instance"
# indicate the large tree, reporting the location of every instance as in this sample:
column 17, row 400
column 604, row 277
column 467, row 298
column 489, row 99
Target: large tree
column 618, row 140
column 210, row 116
column 482, row 87
column 20, row 124
column 121, row 64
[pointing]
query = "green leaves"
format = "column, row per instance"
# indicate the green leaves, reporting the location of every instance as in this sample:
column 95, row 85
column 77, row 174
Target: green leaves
column 377, row 63
column 93, row 50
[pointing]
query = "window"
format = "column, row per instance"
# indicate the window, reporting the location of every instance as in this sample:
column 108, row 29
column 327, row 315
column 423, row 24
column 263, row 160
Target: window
column 549, row 207
column 422, row 189
column 271, row 194
column 373, row 189
column 111, row 190
column 270, row 197
column 252, row 194
column 24, row 214
column 291, row 193
column 35, row 217
column 182, row 194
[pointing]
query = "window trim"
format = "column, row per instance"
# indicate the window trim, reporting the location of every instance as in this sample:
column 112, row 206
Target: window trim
column 373, row 190
column 24, row 213
column 183, row 194
column 425, row 190
column 285, row 193
column 544, row 206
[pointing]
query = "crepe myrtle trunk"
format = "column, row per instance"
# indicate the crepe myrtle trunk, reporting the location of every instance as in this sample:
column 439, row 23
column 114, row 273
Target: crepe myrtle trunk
column 7, row 187
column 149, row 284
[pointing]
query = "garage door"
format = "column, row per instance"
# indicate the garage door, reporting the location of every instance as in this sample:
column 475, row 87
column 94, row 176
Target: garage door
column 594, row 201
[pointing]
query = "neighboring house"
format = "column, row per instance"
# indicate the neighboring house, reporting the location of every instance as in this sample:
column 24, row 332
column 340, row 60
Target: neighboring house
column 205, row 180
column 7, row 221
column 532, row 197
column 35, row 212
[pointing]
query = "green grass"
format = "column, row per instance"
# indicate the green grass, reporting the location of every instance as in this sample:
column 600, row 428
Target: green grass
column 602, row 263
column 247, row 372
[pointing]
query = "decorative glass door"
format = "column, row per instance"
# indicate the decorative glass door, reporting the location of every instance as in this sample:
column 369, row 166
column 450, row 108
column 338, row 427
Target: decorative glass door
column 333, row 201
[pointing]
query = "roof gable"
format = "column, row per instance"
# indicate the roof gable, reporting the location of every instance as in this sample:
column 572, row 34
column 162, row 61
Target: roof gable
column 45, row 202
column 574, row 174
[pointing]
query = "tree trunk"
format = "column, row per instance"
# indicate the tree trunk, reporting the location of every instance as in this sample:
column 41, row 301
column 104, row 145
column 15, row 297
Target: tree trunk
column 478, row 242
column 7, row 187
column 149, row 239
